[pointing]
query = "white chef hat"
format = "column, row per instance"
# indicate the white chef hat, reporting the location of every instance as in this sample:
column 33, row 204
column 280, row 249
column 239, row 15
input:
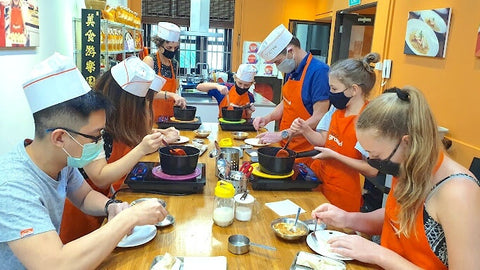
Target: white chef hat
column 246, row 72
column 221, row 77
column 274, row 43
column 136, row 77
column 53, row 81
column 168, row 31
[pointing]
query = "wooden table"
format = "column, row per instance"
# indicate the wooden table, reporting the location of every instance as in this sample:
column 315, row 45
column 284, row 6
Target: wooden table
column 194, row 233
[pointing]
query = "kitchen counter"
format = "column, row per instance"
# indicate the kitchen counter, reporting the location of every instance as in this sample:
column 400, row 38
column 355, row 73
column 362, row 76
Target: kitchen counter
column 205, row 104
column 195, row 235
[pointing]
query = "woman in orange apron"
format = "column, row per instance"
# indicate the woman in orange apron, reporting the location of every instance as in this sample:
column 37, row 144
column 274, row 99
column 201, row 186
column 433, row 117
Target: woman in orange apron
column 305, row 93
column 429, row 220
column 238, row 95
column 340, row 163
column 167, row 42
column 127, row 85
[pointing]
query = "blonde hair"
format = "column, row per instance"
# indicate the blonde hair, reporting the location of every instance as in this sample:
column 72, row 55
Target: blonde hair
column 356, row 71
column 392, row 115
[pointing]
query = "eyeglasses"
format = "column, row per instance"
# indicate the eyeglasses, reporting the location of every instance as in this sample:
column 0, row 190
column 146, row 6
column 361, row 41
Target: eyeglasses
column 94, row 138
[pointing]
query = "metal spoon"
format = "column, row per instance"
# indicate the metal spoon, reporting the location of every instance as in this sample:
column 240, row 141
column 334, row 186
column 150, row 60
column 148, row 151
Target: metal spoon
column 294, row 227
column 283, row 153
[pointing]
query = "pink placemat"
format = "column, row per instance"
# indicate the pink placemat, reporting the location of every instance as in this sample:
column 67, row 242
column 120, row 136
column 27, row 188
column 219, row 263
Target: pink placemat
column 157, row 171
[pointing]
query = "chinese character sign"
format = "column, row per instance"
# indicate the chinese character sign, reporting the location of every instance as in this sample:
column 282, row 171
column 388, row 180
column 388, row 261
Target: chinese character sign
column 19, row 23
column 90, row 51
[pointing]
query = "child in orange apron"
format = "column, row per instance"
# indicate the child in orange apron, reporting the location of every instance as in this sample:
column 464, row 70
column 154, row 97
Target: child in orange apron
column 429, row 220
column 130, row 85
column 340, row 163
column 167, row 42
column 238, row 95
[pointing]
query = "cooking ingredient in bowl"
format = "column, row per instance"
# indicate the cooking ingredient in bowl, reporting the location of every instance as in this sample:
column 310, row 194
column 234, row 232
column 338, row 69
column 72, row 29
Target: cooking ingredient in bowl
column 243, row 213
column 165, row 263
column 177, row 152
column 284, row 229
column 223, row 216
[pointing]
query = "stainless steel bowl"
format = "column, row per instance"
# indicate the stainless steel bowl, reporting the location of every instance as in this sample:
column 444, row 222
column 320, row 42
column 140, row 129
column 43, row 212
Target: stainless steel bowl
column 201, row 133
column 162, row 202
column 239, row 135
column 280, row 228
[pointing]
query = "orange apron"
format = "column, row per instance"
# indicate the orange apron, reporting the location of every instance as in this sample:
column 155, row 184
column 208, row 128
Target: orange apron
column 236, row 99
column 162, row 107
column 2, row 26
column 75, row 223
column 292, row 108
column 341, row 183
column 414, row 248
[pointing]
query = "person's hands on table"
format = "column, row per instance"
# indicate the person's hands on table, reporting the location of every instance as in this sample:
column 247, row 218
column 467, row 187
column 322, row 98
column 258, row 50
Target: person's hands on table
column 148, row 212
column 355, row 247
column 326, row 153
column 259, row 122
column 330, row 215
column 269, row 137
column 180, row 101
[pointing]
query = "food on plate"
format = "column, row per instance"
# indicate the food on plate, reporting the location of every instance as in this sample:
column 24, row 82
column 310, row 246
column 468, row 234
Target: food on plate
column 419, row 42
column 317, row 262
column 284, row 228
column 431, row 22
column 166, row 263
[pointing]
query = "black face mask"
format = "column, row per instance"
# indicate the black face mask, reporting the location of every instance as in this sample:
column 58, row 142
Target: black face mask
column 169, row 54
column 240, row 90
column 339, row 100
column 386, row 166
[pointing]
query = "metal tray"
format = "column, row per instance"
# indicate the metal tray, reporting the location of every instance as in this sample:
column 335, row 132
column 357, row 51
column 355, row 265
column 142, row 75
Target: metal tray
column 247, row 126
column 159, row 257
column 180, row 125
column 296, row 266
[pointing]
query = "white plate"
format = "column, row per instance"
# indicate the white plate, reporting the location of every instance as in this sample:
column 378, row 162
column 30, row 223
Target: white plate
column 417, row 26
column 255, row 142
column 181, row 140
column 321, row 247
column 140, row 236
column 437, row 23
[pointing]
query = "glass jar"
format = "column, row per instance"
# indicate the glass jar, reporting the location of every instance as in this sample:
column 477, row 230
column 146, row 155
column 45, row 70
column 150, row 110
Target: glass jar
column 244, row 207
column 224, row 205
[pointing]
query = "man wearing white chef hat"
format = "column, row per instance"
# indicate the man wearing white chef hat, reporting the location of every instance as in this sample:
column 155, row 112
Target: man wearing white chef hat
column 38, row 175
column 164, row 64
column 305, row 92
column 238, row 95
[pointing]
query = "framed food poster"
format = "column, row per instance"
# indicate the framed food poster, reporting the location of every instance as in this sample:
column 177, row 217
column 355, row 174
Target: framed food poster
column 19, row 23
column 427, row 32
column 250, row 56
column 477, row 48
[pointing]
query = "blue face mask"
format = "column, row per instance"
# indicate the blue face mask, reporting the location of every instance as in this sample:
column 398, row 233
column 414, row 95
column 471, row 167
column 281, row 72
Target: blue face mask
column 339, row 100
column 89, row 152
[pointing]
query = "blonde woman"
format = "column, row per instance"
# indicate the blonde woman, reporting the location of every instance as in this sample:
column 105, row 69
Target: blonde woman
column 433, row 203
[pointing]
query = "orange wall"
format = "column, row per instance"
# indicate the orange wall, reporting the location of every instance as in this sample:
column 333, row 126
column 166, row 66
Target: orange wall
column 255, row 19
column 451, row 85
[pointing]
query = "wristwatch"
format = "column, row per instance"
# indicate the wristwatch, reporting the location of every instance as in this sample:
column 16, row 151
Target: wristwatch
column 110, row 201
column 285, row 134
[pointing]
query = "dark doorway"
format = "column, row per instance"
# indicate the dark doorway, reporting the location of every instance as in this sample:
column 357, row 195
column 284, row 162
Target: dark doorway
column 353, row 32
column 314, row 37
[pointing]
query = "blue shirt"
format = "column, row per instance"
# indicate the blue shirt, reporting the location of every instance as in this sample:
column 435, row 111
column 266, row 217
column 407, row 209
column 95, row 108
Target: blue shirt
column 315, row 85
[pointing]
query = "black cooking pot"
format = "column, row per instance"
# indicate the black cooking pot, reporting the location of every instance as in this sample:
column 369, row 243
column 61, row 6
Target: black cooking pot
column 271, row 164
column 232, row 115
column 179, row 165
column 186, row 114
